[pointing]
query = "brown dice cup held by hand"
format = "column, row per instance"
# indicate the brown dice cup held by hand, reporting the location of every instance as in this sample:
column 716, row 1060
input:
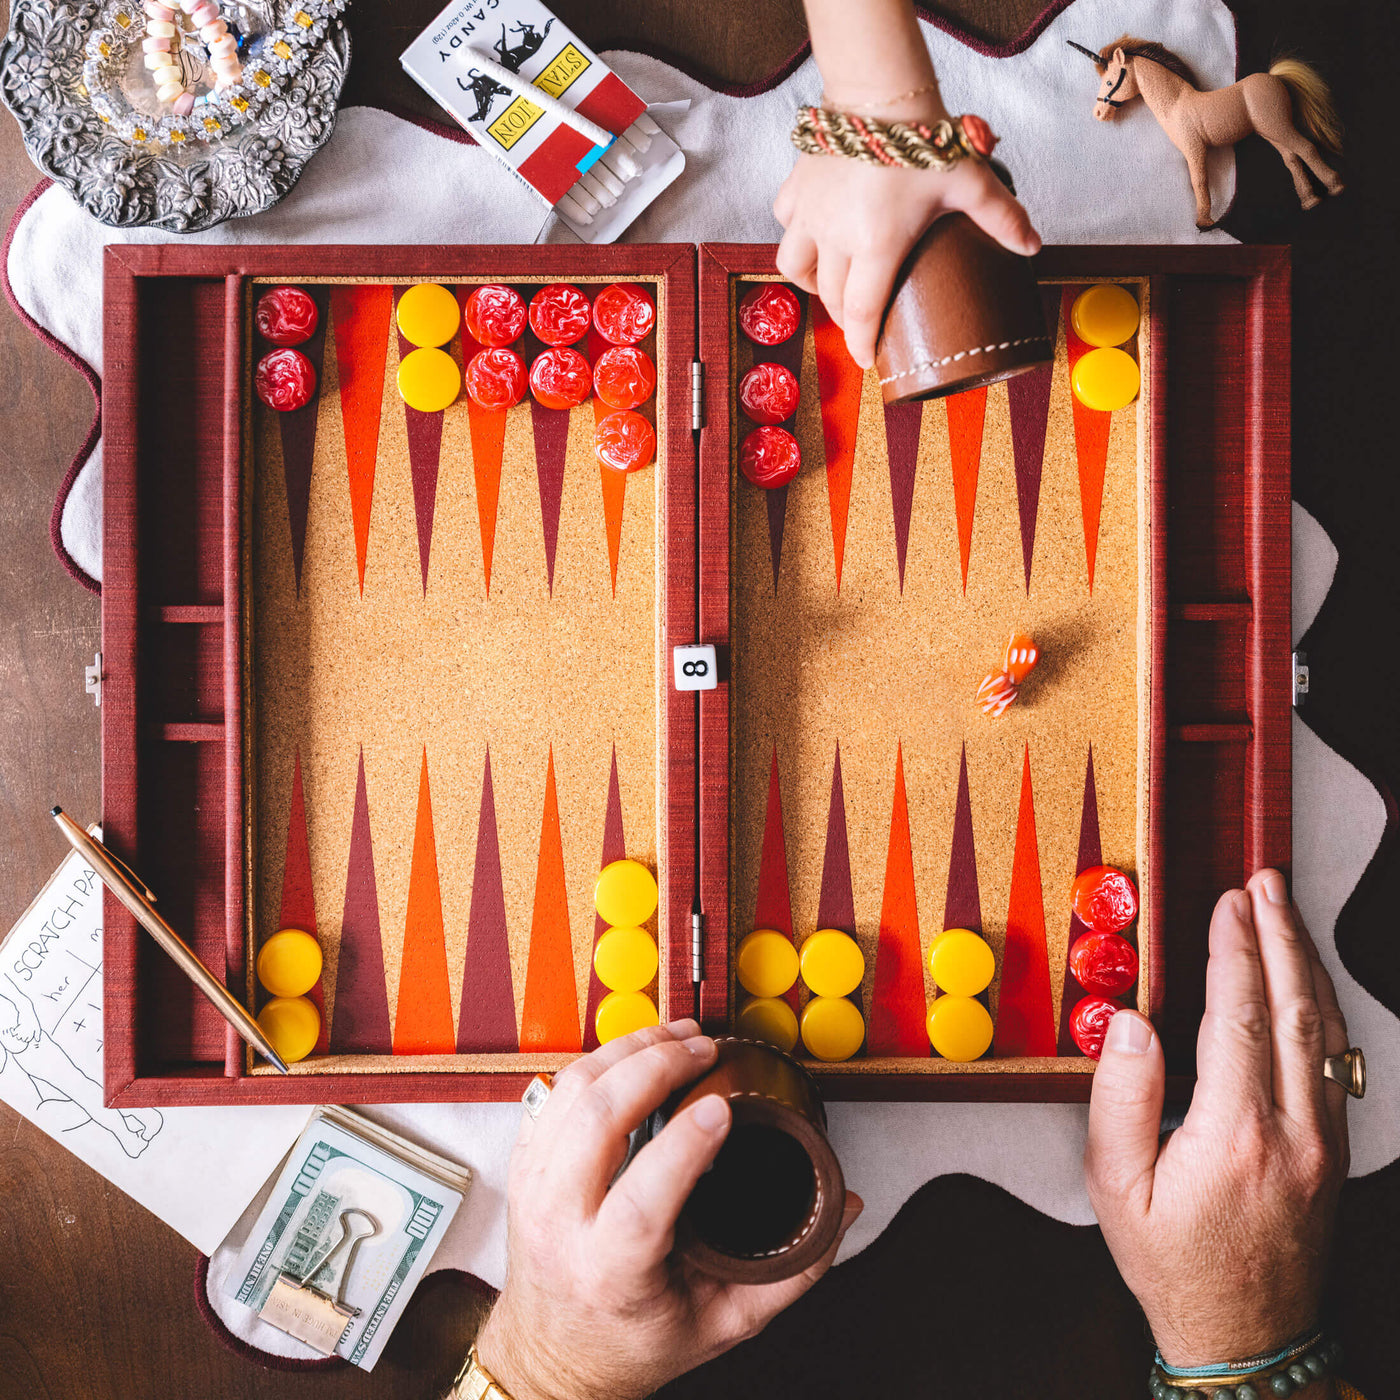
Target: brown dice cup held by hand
column 772, row 1203
column 965, row 312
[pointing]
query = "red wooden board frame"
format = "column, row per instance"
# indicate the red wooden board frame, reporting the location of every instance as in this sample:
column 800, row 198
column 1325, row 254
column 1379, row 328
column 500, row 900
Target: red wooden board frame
column 175, row 334
column 159, row 586
column 1207, row 831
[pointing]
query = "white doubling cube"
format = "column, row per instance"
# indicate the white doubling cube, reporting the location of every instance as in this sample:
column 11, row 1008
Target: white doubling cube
column 695, row 668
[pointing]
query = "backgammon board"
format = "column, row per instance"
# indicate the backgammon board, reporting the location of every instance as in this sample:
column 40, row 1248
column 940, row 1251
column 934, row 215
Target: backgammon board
column 403, row 679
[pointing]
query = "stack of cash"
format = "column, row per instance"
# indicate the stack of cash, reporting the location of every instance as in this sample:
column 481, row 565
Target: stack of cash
column 346, row 1234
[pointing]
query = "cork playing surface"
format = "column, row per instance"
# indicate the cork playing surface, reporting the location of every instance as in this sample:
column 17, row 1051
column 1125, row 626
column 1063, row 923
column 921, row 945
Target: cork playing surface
column 869, row 599
column 452, row 653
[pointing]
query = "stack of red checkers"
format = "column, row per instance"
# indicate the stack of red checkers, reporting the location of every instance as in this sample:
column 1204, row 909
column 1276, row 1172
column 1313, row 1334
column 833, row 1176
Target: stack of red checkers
column 495, row 318
column 624, row 377
column 1102, row 961
column 769, row 456
column 284, row 378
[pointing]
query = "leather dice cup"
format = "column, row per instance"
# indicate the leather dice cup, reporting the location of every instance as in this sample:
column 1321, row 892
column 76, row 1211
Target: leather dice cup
column 771, row 1204
column 965, row 312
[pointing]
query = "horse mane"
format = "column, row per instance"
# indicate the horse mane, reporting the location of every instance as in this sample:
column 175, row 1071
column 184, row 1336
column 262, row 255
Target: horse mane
column 1152, row 51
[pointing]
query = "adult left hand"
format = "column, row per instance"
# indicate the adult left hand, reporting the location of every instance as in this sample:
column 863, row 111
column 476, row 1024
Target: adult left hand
column 1223, row 1229
column 593, row 1306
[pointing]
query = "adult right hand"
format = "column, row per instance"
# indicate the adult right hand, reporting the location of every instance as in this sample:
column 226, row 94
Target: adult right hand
column 1223, row 1230
column 594, row 1306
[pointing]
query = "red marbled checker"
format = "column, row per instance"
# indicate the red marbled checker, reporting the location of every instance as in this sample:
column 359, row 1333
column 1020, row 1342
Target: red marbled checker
column 1088, row 1024
column 624, row 376
column 1105, row 963
column 770, row 457
column 496, row 378
column 768, row 393
column 769, row 313
column 560, row 314
column 1105, row 899
column 285, row 379
column 560, row 378
column 625, row 441
column 286, row 316
column 623, row 313
column 495, row 315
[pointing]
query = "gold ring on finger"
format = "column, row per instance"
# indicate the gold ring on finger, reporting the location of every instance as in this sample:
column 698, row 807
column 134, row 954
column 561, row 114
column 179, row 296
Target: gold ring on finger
column 1348, row 1070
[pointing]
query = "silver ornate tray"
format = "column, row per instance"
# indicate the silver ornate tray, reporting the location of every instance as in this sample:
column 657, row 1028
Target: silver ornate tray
column 72, row 72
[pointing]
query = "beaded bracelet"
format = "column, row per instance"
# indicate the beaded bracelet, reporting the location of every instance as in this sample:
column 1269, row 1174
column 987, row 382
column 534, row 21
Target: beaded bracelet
column 1270, row 1376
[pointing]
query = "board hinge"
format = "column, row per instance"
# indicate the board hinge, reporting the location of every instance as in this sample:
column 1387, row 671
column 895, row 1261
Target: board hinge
column 1301, row 678
column 697, row 946
column 697, row 396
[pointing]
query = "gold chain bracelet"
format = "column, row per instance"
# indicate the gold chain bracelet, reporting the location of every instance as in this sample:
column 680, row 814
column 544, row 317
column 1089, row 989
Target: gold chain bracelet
column 914, row 145
column 889, row 101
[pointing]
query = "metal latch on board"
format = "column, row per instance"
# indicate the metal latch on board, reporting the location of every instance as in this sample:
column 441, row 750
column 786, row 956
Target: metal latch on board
column 1301, row 678
column 92, row 679
column 697, row 396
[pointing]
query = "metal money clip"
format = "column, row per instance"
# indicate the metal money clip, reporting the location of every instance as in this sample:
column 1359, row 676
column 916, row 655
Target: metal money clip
column 308, row 1314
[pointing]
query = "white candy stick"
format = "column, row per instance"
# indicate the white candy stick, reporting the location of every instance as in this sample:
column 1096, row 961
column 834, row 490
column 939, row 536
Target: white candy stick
column 523, row 87
column 607, row 179
column 597, row 188
column 572, row 210
column 647, row 125
column 634, row 140
column 621, row 164
column 581, row 196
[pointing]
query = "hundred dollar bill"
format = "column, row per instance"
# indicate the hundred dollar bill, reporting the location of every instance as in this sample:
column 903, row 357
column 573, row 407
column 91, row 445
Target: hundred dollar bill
column 344, row 1164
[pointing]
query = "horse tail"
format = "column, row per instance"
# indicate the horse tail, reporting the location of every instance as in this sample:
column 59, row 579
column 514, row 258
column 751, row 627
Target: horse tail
column 1312, row 100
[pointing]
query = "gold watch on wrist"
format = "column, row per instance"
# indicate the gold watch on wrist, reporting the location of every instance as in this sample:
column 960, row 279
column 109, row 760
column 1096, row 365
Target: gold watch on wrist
column 475, row 1382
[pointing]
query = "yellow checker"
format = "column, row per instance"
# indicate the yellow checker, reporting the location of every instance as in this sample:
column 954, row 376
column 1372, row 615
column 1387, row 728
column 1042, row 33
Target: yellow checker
column 1105, row 315
column 959, row 1028
column 960, row 962
column 289, row 963
column 428, row 315
column 429, row 380
column 770, row 1020
column 625, row 959
column 292, row 1024
column 832, row 963
column 1106, row 379
column 625, row 894
column 621, row 1013
column 832, row 1028
column 766, row 962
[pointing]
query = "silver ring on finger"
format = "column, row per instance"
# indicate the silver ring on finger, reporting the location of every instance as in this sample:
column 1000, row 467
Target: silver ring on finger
column 1348, row 1070
column 536, row 1092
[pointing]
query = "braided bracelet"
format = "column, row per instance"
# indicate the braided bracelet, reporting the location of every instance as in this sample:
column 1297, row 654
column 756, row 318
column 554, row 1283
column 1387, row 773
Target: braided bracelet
column 1273, row 1376
column 821, row 132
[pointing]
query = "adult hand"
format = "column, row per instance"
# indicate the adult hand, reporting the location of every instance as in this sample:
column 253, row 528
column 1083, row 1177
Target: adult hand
column 593, row 1308
column 1223, row 1231
column 850, row 226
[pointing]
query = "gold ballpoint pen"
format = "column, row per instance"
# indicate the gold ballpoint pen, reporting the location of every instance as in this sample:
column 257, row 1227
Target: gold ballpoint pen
column 137, row 900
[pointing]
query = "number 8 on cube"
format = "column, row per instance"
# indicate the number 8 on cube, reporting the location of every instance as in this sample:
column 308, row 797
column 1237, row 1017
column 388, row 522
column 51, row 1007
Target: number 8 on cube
column 695, row 668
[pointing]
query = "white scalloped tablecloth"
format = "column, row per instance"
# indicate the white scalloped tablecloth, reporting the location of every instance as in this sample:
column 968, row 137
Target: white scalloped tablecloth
column 381, row 179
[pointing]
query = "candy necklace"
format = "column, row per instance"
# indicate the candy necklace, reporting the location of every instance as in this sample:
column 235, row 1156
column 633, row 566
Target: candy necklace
column 162, row 47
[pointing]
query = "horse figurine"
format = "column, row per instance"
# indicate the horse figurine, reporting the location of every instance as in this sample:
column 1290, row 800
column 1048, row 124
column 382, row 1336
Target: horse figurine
column 1196, row 121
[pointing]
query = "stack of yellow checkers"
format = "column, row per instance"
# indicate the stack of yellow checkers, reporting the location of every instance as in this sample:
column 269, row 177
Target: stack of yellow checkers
column 830, row 963
column 625, row 957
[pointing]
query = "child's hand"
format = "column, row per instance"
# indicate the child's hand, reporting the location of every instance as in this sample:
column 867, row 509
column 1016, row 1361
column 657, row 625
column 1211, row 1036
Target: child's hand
column 851, row 225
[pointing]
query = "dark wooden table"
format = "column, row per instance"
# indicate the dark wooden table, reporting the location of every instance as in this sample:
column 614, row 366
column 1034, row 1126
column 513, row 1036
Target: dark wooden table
column 97, row 1296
